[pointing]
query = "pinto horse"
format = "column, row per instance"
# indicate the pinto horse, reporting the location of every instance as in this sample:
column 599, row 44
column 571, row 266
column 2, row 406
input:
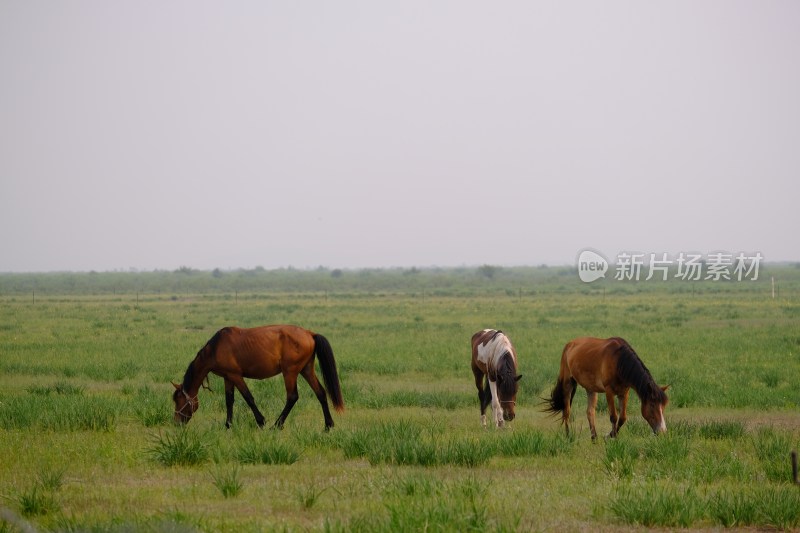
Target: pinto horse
column 612, row 367
column 494, row 357
column 259, row 353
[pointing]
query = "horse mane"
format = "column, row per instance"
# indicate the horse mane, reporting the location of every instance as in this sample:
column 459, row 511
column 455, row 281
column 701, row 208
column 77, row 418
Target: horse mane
column 506, row 369
column 208, row 349
column 632, row 369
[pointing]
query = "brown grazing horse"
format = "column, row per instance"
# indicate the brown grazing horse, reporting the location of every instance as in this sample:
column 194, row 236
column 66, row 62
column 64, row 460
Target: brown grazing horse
column 494, row 357
column 259, row 353
column 612, row 367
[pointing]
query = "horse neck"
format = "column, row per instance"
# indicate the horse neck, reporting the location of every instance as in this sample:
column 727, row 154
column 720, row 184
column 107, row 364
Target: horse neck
column 639, row 377
column 195, row 374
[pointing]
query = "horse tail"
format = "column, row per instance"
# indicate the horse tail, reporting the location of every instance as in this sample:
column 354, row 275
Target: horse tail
column 555, row 404
column 328, row 366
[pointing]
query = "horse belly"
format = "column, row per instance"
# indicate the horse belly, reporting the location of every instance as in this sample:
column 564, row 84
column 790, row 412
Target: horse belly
column 262, row 370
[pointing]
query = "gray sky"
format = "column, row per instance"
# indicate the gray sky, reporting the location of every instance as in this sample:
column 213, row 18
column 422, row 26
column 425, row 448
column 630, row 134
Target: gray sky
column 154, row 135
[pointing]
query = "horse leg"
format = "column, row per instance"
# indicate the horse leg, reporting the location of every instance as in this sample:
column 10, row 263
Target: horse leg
column 478, row 373
column 229, row 391
column 319, row 390
column 497, row 410
column 485, row 401
column 290, row 382
column 483, row 394
column 248, row 398
column 569, row 388
column 623, row 409
column 591, row 405
column 612, row 413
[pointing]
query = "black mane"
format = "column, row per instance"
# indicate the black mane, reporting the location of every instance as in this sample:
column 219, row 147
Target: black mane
column 632, row 369
column 208, row 349
column 507, row 375
column 188, row 377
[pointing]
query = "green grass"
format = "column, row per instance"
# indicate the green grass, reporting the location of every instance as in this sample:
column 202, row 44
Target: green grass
column 228, row 482
column 179, row 447
column 265, row 450
column 86, row 414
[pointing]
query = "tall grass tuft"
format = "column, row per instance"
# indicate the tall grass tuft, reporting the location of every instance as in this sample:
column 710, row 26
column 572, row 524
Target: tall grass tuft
column 73, row 412
column 181, row 447
column 734, row 509
column 666, row 454
column 36, row 501
column 62, row 387
column 714, row 466
column 268, row 451
column 463, row 452
column 764, row 507
column 773, row 449
column 228, row 482
column 402, row 442
column 51, row 479
column 620, row 458
column 40, row 498
column 721, row 429
column 653, row 505
column 448, row 507
column 308, row 494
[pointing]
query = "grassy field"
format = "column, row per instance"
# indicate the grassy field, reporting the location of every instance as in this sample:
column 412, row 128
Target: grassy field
column 88, row 443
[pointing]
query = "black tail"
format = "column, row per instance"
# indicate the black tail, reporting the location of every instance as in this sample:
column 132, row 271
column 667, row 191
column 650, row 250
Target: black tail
column 328, row 366
column 555, row 404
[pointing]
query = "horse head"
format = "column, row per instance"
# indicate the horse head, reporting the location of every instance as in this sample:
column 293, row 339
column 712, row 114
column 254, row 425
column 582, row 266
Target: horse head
column 653, row 410
column 507, row 386
column 185, row 405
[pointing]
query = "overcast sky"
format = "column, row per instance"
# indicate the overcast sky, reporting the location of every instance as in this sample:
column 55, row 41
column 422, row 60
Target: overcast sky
column 153, row 135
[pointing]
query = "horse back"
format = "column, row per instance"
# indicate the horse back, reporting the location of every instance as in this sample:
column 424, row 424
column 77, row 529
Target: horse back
column 262, row 352
column 494, row 341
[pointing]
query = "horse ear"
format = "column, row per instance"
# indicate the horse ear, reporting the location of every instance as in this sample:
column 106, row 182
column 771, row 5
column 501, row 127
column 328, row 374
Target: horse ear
column 665, row 387
column 518, row 378
column 177, row 387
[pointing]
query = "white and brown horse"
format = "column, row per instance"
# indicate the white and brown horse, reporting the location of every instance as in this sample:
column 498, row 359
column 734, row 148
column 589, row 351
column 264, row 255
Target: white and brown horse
column 494, row 358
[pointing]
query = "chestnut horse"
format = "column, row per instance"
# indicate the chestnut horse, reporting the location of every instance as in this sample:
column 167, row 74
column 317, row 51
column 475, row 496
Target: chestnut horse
column 494, row 357
column 259, row 353
column 612, row 367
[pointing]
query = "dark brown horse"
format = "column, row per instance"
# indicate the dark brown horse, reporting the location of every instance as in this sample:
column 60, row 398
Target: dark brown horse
column 612, row 367
column 494, row 357
column 259, row 353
